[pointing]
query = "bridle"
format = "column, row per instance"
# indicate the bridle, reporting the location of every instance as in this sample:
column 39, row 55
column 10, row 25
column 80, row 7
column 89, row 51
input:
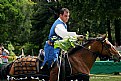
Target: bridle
column 103, row 46
column 107, row 48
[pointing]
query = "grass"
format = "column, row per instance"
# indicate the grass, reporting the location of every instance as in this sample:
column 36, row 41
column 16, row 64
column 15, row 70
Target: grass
column 105, row 77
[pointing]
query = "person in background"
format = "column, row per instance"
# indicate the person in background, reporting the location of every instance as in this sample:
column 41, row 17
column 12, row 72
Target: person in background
column 41, row 54
column 4, row 54
column 1, row 54
column 1, row 48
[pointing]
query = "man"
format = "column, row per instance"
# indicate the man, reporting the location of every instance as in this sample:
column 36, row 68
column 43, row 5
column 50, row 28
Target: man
column 57, row 32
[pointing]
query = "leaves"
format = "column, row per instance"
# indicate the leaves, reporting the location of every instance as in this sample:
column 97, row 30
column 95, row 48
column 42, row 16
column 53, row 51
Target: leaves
column 66, row 43
column 87, row 35
column 10, row 47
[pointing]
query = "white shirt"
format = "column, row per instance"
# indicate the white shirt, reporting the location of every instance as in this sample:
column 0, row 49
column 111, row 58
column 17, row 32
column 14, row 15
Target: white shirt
column 61, row 31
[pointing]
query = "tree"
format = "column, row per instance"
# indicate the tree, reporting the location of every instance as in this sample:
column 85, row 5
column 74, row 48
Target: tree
column 95, row 16
column 15, row 23
column 117, row 32
column 15, row 20
column 45, row 13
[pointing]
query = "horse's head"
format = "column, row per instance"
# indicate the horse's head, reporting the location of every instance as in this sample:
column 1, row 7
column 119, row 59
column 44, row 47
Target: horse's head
column 105, row 48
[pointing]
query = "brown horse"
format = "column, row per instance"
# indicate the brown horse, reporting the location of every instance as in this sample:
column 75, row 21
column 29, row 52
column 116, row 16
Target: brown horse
column 76, row 64
column 82, row 58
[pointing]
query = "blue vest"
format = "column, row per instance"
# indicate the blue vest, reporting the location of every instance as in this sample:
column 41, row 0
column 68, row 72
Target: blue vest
column 51, row 54
column 52, row 31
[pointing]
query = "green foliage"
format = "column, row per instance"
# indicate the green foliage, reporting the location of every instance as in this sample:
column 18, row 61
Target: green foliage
column 66, row 43
column 12, row 55
column 10, row 47
column 43, row 18
column 87, row 35
column 15, row 22
column 28, row 48
column 91, row 15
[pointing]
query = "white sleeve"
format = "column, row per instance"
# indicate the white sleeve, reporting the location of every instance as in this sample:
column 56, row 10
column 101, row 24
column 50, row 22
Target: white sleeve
column 61, row 31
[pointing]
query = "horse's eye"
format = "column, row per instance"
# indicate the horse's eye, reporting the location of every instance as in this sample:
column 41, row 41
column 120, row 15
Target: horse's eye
column 108, row 46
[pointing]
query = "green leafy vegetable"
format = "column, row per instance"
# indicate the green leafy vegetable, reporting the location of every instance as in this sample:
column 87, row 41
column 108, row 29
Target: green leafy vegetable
column 66, row 43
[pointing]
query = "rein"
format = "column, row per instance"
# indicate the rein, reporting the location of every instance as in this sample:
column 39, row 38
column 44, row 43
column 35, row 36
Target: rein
column 94, row 53
column 102, row 42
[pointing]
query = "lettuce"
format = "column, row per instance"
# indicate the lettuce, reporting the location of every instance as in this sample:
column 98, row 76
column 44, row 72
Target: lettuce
column 66, row 43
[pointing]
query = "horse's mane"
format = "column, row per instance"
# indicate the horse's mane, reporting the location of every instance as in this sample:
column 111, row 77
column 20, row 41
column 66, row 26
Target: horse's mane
column 79, row 47
column 73, row 50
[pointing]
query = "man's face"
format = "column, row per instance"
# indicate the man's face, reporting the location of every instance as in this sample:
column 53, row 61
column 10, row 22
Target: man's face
column 65, row 17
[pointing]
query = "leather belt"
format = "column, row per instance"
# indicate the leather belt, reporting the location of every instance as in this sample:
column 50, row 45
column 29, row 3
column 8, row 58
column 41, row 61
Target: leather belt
column 49, row 42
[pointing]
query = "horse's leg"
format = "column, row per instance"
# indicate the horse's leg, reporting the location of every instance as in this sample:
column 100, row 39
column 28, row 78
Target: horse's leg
column 54, row 74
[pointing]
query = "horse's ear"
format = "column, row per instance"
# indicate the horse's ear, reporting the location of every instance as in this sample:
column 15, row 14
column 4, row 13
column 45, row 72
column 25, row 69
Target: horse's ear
column 104, row 37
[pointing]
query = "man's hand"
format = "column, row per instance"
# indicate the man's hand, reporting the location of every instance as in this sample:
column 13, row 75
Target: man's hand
column 80, row 37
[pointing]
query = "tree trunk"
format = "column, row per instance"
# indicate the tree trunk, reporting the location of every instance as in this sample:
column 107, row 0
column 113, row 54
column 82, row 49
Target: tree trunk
column 117, row 32
column 109, row 31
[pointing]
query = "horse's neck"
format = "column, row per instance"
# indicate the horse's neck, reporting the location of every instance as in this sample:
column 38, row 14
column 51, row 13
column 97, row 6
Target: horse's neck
column 82, row 61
